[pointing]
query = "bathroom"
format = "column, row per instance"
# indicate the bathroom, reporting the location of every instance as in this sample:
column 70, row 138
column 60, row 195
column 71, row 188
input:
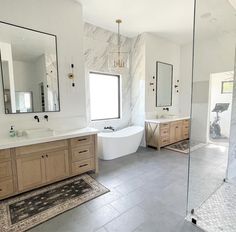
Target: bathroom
column 107, row 144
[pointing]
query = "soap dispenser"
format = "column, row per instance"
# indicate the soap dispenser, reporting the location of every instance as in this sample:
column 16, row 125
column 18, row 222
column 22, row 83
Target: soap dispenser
column 12, row 132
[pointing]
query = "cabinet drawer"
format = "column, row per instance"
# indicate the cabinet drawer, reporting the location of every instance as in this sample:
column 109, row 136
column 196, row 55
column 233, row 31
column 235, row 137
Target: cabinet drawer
column 5, row 170
column 5, row 154
column 164, row 126
column 85, row 140
column 82, row 153
column 165, row 132
column 82, row 166
column 165, row 142
column 42, row 147
column 6, row 188
column 186, row 122
column 185, row 135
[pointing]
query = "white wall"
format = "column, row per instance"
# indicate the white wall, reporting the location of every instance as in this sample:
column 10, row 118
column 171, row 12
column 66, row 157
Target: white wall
column 64, row 19
column 212, row 55
column 217, row 97
column 158, row 49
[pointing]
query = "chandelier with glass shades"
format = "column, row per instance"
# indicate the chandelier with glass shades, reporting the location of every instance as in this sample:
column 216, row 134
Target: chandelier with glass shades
column 118, row 60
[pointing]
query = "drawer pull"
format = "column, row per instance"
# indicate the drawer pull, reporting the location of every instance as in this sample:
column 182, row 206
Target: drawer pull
column 0, row 190
column 83, row 151
column 80, row 140
column 83, row 165
column 43, row 156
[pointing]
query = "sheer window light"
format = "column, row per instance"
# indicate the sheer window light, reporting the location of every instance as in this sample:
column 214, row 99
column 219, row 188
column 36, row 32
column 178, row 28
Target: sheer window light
column 104, row 96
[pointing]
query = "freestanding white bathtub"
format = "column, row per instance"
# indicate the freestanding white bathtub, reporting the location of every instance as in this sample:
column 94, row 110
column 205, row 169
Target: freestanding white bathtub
column 119, row 143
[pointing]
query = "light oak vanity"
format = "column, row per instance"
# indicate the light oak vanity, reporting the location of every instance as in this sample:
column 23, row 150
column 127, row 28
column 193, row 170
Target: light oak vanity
column 27, row 167
column 163, row 132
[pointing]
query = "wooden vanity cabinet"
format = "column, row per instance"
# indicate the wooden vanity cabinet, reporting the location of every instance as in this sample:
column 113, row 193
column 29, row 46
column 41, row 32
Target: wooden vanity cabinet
column 30, row 171
column 29, row 167
column 48, row 163
column 6, row 174
column 163, row 134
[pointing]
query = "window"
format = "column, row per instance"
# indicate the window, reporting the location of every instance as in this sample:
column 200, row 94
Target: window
column 104, row 96
column 227, row 86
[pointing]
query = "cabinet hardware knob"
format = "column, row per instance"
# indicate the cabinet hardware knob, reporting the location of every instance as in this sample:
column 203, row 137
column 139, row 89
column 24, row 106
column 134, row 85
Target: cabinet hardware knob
column 47, row 156
column 0, row 190
column 42, row 156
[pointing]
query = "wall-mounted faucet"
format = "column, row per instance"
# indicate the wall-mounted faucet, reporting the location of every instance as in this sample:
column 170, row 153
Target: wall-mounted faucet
column 36, row 118
column 109, row 128
column 166, row 108
column 46, row 117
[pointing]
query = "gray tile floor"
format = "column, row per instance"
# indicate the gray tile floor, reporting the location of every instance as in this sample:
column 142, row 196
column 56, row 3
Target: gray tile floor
column 148, row 193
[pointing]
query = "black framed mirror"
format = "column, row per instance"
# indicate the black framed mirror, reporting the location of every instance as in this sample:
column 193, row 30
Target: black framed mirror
column 164, row 84
column 29, row 70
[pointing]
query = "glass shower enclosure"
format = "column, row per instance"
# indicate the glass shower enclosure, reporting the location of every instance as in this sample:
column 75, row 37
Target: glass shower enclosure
column 212, row 166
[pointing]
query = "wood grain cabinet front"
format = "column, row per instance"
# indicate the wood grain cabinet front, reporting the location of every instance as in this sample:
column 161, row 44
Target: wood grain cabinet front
column 29, row 167
column 162, row 134
column 30, row 171
column 56, row 165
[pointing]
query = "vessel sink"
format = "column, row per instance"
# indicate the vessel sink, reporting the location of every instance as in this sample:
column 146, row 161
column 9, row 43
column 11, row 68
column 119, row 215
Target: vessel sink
column 37, row 133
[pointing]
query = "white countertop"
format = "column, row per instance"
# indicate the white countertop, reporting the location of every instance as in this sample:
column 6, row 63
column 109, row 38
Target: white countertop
column 165, row 120
column 59, row 135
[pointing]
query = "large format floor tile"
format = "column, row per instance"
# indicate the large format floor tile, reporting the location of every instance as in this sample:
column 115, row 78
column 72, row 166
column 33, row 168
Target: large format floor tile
column 148, row 193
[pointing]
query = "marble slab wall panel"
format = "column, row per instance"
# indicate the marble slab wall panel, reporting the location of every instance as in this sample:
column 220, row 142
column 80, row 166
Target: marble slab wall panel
column 138, row 81
column 98, row 42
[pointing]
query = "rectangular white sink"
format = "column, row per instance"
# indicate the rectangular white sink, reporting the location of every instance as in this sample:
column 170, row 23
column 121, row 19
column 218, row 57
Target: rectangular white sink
column 38, row 133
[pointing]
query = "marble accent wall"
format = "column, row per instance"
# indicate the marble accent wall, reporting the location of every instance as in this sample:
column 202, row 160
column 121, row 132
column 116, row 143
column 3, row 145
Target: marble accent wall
column 98, row 42
column 138, row 81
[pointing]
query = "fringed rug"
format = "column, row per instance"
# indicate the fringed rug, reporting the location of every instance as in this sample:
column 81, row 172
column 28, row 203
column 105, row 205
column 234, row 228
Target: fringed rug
column 184, row 146
column 27, row 210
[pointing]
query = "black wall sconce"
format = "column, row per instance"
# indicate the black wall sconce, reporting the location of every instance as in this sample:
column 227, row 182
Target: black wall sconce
column 71, row 75
column 177, row 86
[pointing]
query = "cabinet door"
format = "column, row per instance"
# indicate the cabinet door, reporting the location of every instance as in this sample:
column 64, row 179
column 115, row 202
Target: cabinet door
column 175, row 132
column 30, row 171
column 178, row 131
column 57, row 165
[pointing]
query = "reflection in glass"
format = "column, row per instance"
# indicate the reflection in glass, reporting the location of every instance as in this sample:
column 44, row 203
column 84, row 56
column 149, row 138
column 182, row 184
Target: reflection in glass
column 164, row 84
column 28, row 70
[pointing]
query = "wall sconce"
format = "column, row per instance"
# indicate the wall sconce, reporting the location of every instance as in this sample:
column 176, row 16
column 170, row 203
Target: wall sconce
column 71, row 75
column 177, row 86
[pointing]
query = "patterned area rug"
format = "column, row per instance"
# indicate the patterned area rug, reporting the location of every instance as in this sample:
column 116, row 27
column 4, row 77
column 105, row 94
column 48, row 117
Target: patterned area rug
column 27, row 210
column 183, row 146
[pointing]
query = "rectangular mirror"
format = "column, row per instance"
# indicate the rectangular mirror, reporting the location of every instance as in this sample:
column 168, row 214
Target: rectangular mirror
column 29, row 70
column 164, row 81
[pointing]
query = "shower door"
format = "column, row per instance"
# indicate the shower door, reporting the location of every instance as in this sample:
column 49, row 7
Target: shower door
column 213, row 53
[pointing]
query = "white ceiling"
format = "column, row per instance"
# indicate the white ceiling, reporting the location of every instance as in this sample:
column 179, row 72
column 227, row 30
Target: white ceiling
column 171, row 19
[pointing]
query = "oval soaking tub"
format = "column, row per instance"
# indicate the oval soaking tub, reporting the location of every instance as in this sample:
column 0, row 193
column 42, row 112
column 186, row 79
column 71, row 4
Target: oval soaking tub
column 119, row 143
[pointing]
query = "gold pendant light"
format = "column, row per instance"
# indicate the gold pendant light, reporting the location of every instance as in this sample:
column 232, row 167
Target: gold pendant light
column 118, row 60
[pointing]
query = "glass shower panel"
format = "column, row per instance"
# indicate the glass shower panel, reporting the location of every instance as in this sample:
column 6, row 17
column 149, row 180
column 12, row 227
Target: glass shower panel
column 213, row 74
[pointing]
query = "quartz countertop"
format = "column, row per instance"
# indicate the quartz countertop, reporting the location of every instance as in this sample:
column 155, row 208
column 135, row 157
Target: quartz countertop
column 165, row 120
column 9, row 142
